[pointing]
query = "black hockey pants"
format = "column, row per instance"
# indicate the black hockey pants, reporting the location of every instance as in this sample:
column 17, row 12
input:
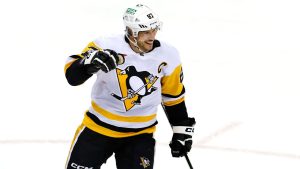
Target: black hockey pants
column 90, row 150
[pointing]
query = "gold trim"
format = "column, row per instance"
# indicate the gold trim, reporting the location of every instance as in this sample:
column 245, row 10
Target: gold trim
column 174, row 102
column 78, row 131
column 88, row 122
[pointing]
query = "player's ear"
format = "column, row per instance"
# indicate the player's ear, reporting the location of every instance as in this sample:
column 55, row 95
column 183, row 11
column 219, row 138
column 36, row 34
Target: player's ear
column 128, row 32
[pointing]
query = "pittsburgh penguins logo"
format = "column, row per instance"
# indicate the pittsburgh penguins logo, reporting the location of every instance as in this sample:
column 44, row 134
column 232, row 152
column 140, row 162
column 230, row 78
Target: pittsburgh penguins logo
column 145, row 162
column 134, row 86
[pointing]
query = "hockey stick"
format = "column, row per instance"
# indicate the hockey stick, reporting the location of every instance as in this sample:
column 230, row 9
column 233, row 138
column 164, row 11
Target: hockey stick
column 134, row 93
column 185, row 154
column 188, row 160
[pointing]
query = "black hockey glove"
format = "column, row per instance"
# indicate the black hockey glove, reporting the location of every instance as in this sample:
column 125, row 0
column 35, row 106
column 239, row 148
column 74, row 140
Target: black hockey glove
column 182, row 137
column 105, row 60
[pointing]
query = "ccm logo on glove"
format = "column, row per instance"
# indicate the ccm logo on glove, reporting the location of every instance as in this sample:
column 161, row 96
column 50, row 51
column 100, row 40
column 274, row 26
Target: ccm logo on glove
column 191, row 130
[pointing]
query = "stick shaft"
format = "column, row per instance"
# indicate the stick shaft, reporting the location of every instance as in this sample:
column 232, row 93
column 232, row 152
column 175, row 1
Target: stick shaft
column 188, row 160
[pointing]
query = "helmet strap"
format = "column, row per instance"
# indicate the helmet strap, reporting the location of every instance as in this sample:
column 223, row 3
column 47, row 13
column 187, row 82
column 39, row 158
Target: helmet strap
column 135, row 44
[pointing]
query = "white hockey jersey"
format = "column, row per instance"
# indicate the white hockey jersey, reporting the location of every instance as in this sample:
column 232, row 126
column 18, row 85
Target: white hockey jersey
column 126, row 99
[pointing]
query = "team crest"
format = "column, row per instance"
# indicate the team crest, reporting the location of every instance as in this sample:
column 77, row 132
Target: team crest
column 145, row 162
column 134, row 86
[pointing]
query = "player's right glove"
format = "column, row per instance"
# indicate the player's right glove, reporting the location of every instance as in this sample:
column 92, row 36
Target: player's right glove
column 182, row 137
column 105, row 60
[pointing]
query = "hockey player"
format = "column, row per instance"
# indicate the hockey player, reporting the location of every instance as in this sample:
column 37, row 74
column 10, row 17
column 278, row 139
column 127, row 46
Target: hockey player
column 135, row 73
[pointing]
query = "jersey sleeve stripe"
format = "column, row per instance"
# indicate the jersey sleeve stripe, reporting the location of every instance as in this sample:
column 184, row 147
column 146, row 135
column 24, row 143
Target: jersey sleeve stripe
column 173, row 102
column 175, row 96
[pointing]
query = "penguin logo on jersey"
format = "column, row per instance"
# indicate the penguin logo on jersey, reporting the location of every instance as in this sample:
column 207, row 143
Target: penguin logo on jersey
column 134, row 86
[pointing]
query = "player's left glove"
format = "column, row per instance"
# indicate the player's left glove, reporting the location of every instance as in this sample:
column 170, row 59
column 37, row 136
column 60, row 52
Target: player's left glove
column 182, row 137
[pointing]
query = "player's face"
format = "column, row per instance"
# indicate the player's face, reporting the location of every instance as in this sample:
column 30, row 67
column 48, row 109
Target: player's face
column 145, row 39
